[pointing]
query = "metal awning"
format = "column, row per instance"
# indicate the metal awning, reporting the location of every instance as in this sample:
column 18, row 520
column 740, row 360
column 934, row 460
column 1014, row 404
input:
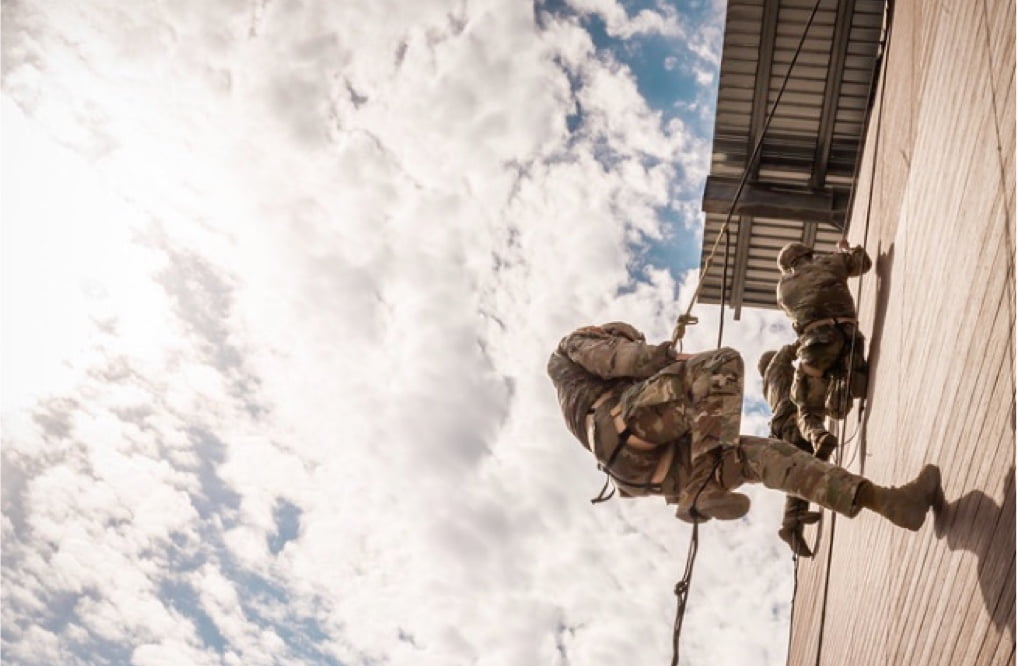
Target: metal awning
column 800, row 185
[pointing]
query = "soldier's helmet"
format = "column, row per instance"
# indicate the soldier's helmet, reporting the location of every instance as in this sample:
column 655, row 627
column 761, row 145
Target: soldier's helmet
column 765, row 360
column 625, row 330
column 792, row 253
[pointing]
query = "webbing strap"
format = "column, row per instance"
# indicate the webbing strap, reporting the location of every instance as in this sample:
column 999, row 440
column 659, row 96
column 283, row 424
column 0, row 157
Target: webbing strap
column 611, row 477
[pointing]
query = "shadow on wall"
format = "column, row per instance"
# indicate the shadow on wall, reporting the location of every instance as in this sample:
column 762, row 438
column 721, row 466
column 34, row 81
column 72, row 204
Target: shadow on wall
column 883, row 271
column 976, row 523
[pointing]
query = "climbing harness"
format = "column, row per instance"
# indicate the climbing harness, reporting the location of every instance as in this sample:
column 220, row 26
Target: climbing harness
column 613, row 478
column 625, row 437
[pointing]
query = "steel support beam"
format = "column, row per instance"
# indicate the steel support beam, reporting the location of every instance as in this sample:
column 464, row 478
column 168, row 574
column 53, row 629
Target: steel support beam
column 758, row 116
column 832, row 92
column 760, row 200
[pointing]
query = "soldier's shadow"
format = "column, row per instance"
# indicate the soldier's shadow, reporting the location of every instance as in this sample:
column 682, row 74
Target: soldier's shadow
column 976, row 523
column 883, row 272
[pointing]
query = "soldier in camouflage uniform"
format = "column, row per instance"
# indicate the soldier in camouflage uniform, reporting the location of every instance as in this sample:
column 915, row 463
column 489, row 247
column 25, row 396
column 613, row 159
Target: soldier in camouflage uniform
column 813, row 292
column 777, row 372
column 668, row 425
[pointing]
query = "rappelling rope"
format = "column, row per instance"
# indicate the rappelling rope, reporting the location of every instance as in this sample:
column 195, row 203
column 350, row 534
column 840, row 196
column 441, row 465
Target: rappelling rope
column 687, row 319
column 882, row 63
column 682, row 587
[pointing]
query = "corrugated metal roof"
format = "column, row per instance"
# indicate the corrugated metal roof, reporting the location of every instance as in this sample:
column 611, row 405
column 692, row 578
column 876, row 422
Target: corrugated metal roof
column 799, row 186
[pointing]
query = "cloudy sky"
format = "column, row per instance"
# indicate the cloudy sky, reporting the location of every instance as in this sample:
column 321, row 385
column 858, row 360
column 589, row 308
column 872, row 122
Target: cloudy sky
column 279, row 285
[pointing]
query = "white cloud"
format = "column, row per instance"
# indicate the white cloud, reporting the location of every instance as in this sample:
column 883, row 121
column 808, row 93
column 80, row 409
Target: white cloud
column 619, row 24
column 255, row 256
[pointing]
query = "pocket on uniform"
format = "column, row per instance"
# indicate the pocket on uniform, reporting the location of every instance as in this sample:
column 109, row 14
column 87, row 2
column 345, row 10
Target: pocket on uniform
column 667, row 386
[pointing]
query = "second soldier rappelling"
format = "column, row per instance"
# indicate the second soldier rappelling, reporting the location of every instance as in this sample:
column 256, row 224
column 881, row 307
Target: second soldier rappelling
column 813, row 291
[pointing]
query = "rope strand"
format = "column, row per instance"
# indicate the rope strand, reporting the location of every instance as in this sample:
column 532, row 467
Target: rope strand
column 682, row 587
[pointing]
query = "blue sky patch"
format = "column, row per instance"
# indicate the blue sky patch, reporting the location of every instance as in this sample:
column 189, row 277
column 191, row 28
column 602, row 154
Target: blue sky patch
column 663, row 68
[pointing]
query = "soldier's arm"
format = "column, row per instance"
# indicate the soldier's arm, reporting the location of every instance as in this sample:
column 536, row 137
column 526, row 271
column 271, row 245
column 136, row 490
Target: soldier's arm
column 783, row 357
column 611, row 357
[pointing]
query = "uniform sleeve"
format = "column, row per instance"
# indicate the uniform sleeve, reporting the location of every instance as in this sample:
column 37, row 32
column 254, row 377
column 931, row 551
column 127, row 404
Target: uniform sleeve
column 612, row 357
column 784, row 357
column 857, row 261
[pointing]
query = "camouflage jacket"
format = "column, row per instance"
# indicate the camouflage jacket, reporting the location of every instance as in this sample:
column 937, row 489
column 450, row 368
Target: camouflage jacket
column 818, row 289
column 593, row 360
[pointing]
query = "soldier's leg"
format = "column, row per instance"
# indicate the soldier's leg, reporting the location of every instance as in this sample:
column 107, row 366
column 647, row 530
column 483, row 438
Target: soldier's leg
column 818, row 351
column 715, row 392
column 781, row 466
column 714, row 383
column 700, row 397
column 796, row 513
column 809, row 393
column 654, row 411
column 658, row 408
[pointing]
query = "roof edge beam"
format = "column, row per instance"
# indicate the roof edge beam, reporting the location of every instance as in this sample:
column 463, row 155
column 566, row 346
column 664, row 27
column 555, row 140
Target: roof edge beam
column 741, row 257
column 784, row 203
column 762, row 87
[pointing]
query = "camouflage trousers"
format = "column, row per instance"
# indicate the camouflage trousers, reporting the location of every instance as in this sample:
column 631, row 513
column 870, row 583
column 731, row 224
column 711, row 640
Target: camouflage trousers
column 837, row 353
column 700, row 396
column 784, row 427
column 695, row 405
column 781, row 466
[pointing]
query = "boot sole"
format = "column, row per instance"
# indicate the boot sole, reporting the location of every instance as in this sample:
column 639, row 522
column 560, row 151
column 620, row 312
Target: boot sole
column 929, row 481
column 729, row 506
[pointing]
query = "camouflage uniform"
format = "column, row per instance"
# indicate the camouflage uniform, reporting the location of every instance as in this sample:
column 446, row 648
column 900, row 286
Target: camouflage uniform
column 777, row 372
column 815, row 290
column 691, row 406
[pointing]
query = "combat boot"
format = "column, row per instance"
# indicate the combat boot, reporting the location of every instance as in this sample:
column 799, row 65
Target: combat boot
column 905, row 506
column 797, row 514
column 715, row 502
column 711, row 502
column 706, row 494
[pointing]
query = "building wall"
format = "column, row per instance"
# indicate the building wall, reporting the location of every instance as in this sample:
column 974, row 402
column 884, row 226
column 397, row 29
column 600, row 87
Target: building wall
column 939, row 311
